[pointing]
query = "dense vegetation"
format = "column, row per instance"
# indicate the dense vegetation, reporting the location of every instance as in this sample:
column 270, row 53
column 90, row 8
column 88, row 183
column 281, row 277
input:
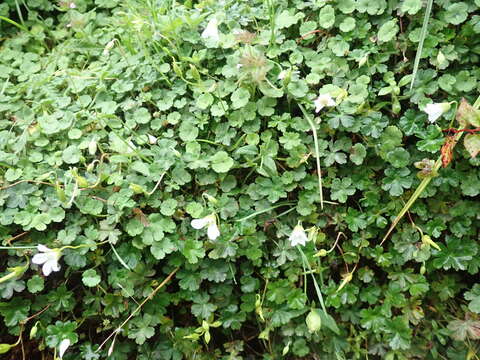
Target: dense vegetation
column 160, row 195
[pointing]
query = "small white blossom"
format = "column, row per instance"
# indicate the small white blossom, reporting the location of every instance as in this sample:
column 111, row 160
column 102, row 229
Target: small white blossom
column 298, row 236
column 434, row 111
column 108, row 47
column 211, row 221
column 152, row 139
column 72, row 5
column 49, row 258
column 322, row 101
column 282, row 75
column 63, row 347
column 211, row 31
column 239, row 66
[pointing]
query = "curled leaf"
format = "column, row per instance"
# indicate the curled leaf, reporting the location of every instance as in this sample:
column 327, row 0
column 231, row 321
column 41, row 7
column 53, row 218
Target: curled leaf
column 472, row 144
column 467, row 115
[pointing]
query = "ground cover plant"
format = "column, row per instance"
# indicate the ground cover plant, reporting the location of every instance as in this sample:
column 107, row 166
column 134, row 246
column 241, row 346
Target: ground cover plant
column 239, row 179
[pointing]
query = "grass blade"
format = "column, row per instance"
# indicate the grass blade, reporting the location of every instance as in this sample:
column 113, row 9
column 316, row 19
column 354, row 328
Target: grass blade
column 423, row 35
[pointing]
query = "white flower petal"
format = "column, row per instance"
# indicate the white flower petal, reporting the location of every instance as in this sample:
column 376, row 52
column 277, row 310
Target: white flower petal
column 322, row 101
column 43, row 248
column 47, row 268
column 40, row 258
column 213, row 232
column 63, row 347
column 152, row 139
column 435, row 110
column 55, row 266
column 298, row 236
column 200, row 223
column 211, row 31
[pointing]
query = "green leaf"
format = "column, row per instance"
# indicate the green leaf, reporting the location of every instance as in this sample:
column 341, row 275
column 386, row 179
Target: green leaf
column 35, row 284
column 328, row 321
column 161, row 248
column 358, row 153
column 348, row 24
column 411, row 7
column 142, row 116
column 15, row 311
column 472, row 144
column 286, row 19
column 90, row 278
column 168, row 207
column 192, row 250
column 204, row 101
column 71, row 155
column 326, row 17
column 456, row 13
column 474, row 296
column 240, row 98
column 221, row 162
column 398, row 157
column 60, row 331
column 388, row 31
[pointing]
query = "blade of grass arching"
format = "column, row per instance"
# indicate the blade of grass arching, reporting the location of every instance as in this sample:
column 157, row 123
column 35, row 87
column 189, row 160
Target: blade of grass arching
column 317, row 153
column 265, row 210
column 423, row 35
column 14, row 23
column 19, row 12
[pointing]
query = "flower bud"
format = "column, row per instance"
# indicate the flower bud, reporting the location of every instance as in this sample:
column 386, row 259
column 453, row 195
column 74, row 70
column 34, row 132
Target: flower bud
column 177, row 69
column 313, row 321
column 92, row 147
column 194, row 72
column 427, row 240
column 137, row 189
column 321, row 253
column 33, row 330
column 4, row 348
column 422, row 270
column 60, row 192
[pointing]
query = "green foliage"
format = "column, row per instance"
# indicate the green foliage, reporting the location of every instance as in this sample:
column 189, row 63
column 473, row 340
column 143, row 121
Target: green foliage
column 136, row 146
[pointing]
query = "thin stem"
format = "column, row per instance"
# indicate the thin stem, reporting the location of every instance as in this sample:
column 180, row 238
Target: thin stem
column 137, row 309
column 423, row 35
column 317, row 288
column 317, row 153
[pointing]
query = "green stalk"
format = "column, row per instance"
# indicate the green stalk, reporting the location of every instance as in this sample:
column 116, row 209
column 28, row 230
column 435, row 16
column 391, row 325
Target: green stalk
column 315, row 284
column 423, row 35
column 317, row 155
column 265, row 210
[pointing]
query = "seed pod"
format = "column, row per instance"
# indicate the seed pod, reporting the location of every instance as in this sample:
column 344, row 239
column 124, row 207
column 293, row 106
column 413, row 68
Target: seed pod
column 313, row 321
column 422, row 270
column 33, row 330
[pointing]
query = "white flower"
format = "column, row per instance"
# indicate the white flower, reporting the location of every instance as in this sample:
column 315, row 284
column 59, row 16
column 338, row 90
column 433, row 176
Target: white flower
column 152, row 139
column 298, row 236
column 322, row 101
column 211, row 221
column 211, row 31
column 72, row 5
column 108, row 47
column 239, row 66
column 49, row 258
column 282, row 75
column 435, row 110
column 63, row 347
